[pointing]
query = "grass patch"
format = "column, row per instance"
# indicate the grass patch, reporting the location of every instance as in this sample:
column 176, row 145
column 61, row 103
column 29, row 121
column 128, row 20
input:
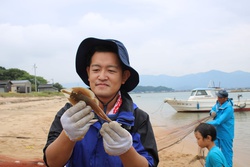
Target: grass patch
column 32, row 94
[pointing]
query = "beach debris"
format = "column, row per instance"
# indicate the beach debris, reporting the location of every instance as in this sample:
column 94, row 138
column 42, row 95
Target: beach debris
column 12, row 162
column 77, row 94
column 18, row 137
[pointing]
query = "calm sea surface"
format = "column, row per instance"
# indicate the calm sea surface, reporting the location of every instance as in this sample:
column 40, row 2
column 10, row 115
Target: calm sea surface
column 161, row 114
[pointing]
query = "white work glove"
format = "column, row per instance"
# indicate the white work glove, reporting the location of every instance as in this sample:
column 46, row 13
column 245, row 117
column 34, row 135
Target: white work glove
column 213, row 114
column 116, row 140
column 77, row 120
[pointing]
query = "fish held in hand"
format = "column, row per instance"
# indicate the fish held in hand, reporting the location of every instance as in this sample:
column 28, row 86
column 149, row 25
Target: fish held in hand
column 77, row 94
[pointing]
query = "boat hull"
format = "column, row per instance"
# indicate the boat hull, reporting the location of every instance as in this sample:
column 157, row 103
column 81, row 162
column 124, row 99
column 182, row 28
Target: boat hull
column 202, row 105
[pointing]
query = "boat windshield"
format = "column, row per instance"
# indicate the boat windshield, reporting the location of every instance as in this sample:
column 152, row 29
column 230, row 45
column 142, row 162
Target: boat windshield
column 199, row 93
column 193, row 93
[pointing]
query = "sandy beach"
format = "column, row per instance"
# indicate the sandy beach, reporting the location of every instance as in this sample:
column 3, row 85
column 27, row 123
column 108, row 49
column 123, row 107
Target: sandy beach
column 25, row 123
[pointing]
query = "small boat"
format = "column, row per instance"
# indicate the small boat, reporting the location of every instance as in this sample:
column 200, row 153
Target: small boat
column 202, row 100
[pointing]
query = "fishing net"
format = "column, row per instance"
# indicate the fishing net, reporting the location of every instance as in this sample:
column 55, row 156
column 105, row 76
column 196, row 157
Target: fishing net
column 200, row 156
column 175, row 135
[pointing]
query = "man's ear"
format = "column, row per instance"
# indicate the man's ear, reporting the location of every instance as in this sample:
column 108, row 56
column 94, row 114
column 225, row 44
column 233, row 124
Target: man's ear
column 125, row 76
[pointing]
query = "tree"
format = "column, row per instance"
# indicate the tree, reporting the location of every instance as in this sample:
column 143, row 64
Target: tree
column 139, row 89
column 12, row 74
column 39, row 80
column 58, row 86
column 17, row 74
column 2, row 73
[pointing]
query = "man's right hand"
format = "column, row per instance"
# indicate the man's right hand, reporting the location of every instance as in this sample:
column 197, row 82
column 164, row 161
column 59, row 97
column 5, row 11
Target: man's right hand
column 77, row 120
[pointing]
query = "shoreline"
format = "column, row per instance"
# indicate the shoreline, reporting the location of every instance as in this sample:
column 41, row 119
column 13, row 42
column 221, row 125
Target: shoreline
column 26, row 122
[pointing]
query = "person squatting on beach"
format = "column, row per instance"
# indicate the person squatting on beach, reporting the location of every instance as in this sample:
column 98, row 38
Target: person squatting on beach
column 223, row 120
column 128, row 140
column 206, row 135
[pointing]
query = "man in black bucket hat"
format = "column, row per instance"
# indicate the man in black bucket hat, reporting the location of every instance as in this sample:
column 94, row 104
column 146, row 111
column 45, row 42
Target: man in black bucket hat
column 86, row 48
column 223, row 120
column 128, row 140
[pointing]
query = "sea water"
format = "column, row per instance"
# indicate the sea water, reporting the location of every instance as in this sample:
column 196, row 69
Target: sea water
column 162, row 114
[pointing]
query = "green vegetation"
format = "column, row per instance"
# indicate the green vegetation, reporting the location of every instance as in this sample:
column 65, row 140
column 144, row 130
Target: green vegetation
column 140, row 89
column 17, row 74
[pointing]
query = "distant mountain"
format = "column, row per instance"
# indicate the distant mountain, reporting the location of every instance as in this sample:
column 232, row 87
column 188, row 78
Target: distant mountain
column 237, row 79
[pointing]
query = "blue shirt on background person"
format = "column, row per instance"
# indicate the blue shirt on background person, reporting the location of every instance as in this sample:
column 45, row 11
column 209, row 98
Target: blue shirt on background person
column 214, row 156
column 223, row 113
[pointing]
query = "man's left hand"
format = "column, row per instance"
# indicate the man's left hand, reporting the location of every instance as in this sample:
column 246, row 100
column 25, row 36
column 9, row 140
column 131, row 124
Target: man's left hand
column 213, row 114
column 116, row 140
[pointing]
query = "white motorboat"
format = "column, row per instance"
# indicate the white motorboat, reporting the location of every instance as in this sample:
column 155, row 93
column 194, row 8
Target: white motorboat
column 202, row 100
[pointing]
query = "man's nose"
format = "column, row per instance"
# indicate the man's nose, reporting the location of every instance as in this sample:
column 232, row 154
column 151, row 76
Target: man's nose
column 103, row 75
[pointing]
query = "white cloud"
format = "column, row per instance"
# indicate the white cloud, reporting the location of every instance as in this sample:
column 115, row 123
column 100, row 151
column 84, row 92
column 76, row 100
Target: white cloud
column 162, row 37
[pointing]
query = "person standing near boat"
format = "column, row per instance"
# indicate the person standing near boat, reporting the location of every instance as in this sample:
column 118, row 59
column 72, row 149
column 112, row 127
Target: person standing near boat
column 223, row 120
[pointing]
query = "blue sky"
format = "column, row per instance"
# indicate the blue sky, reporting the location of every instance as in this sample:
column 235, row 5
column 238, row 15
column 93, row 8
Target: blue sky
column 162, row 37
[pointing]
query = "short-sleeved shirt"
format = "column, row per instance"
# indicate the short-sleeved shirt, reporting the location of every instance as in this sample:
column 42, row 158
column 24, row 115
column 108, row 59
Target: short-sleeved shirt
column 215, row 158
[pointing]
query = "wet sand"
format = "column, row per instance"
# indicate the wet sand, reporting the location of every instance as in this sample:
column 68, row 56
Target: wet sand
column 25, row 123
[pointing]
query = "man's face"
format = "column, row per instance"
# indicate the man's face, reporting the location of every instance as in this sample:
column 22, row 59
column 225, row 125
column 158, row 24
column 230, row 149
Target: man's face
column 222, row 100
column 106, row 75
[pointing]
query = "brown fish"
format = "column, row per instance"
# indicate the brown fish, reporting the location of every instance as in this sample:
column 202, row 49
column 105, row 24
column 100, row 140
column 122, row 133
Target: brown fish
column 77, row 94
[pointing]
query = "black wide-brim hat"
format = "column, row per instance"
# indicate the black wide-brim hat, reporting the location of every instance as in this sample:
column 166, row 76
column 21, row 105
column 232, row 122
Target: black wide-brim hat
column 84, row 52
